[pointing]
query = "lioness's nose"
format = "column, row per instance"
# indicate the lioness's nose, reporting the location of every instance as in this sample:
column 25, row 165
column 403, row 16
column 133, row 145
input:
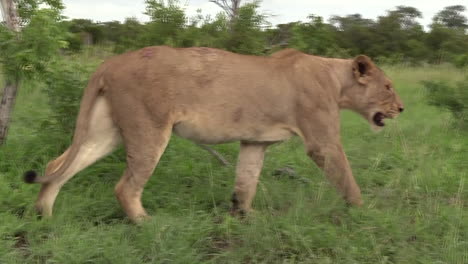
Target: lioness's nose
column 401, row 109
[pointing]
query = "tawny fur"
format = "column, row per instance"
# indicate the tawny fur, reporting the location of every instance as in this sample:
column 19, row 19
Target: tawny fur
column 212, row 96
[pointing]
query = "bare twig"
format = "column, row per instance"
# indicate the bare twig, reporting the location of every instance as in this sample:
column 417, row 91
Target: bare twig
column 216, row 154
column 231, row 7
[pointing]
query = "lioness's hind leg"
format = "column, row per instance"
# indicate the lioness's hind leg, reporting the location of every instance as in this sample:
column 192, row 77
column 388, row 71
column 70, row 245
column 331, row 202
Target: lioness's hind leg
column 144, row 148
column 102, row 138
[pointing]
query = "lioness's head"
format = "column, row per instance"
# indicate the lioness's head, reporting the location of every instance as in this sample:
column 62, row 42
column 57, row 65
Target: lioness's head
column 371, row 93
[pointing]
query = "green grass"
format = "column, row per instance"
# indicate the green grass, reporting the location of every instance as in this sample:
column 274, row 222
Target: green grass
column 413, row 177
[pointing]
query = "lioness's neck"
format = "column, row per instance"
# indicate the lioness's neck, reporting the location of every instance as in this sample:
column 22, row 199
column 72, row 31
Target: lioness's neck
column 343, row 73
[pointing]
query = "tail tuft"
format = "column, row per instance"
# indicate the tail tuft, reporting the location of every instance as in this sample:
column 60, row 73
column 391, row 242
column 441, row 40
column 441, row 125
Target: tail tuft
column 30, row 176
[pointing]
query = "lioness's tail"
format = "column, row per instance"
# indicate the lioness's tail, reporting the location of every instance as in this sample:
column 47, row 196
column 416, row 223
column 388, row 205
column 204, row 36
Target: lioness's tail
column 88, row 144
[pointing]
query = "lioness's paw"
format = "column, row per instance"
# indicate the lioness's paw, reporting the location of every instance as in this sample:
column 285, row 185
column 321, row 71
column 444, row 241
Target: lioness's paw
column 354, row 202
column 141, row 219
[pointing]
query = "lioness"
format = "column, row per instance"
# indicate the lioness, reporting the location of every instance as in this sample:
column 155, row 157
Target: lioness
column 213, row 96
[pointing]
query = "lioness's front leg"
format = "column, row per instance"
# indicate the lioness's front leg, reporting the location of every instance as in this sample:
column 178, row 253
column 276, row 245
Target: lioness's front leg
column 249, row 166
column 324, row 147
column 332, row 160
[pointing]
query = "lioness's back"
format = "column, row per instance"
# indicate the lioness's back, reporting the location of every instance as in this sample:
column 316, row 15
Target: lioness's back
column 191, row 75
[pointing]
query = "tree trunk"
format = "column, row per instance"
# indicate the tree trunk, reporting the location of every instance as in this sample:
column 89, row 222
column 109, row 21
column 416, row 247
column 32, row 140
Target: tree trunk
column 6, row 107
column 10, row 15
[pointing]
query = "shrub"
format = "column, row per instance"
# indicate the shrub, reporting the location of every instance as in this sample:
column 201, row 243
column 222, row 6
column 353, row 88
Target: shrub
column 461, row 61
column 451, row 97
column 65, row 81
column 28, row 54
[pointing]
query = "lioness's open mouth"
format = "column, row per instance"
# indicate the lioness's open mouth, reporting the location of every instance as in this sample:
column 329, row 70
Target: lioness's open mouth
column 378, row 119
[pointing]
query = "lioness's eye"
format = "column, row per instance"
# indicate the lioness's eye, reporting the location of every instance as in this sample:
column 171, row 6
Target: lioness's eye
column 388, row 87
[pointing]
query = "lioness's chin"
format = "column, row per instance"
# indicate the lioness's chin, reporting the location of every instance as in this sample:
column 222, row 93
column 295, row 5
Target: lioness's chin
column 376, row 128
column 376, row 121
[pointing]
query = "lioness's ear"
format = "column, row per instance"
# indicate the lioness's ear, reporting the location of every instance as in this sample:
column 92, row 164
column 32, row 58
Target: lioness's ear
column 362, row 68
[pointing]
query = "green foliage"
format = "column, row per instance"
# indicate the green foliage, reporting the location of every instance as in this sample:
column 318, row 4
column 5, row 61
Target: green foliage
column 452, row 17
column 214, row 32
column 111, row 31
column 167, row 23
column 74, row 42
column 65, row 81
column 130, row 36
column 354, row 33
column 95, row 31
column 461, row 61
column 451, row 97
column 27, row 54
column 170, row 26
column 314, row 37
column 27, row 8
column 398, row 33
column 416, row 50
column 395, row 37
column 246, row 35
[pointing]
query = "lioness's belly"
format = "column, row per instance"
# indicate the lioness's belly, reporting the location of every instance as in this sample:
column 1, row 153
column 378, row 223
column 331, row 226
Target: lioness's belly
column 210, row 132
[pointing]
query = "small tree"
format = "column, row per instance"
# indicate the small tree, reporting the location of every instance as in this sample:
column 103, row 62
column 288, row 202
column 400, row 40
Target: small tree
column 314, row 37
column 452, row 97
column 230, row 7
column 398, row 32
column 12, row 23
column 246, row 35
column 354, row 33
column 452, row 17
column 24, row 53
column 167, row 22
column 447, row 38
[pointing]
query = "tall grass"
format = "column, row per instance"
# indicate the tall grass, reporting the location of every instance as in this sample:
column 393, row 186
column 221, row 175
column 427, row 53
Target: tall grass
column 413, row 177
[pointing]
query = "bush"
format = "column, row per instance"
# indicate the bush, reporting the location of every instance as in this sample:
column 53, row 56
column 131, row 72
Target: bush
column 65, row 82
column 28, row 54
column 461, row 61
column 75, row 44
column 451, row 97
